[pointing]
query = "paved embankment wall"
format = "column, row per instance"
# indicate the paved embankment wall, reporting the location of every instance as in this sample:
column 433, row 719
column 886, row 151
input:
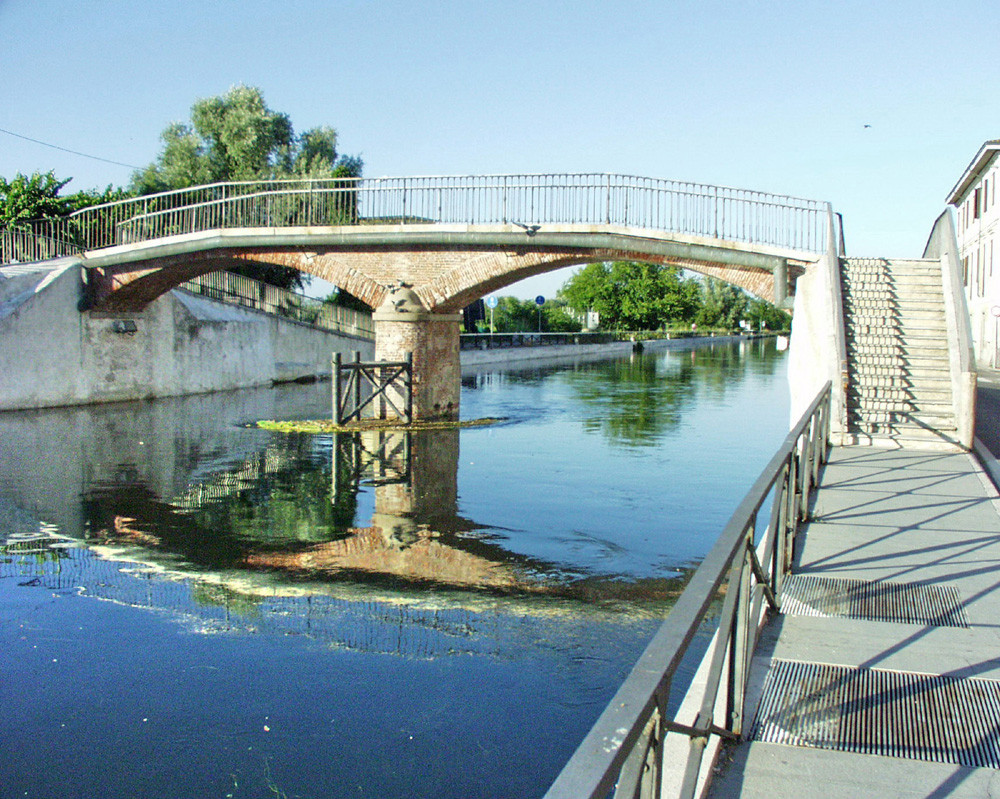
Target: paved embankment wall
column 53, row 355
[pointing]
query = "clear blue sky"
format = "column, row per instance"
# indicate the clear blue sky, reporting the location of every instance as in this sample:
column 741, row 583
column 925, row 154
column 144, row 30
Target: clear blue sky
column 773, row 96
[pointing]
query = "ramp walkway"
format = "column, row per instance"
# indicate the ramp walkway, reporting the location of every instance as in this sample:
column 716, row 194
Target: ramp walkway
column 881, row 676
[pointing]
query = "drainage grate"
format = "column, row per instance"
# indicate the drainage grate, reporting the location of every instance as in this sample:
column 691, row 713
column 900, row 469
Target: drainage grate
column 909, row 603
column 876, row 712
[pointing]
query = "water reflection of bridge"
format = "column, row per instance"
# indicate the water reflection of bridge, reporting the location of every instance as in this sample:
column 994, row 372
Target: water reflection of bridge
column 213, row 558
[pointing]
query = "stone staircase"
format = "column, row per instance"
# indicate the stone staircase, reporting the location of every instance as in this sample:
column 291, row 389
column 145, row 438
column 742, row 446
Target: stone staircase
column 899, row 390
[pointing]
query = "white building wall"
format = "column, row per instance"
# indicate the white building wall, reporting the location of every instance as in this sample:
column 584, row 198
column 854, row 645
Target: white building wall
column 978, row 231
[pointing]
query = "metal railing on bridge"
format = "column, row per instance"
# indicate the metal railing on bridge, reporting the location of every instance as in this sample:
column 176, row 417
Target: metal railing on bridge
column 250, row 293
column 672, row 206
column 624, row 751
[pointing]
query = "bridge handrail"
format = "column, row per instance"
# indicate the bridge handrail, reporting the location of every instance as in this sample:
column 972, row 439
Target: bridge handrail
column 250, row 293
column 625, row 746
column 544, row 198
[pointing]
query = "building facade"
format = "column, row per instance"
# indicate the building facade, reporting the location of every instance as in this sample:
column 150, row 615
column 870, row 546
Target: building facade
column 977, row 224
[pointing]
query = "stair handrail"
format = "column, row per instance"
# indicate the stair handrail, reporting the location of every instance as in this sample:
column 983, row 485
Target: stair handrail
column 835, row 252
column 942, row 245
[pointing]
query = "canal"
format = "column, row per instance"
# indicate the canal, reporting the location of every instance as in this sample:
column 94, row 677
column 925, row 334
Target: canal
column 191, row 606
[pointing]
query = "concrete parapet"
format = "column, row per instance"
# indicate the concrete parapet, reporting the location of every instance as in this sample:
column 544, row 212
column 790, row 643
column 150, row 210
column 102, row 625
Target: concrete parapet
column 943, row 245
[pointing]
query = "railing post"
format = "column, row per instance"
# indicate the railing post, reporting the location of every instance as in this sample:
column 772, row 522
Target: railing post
column 738, row 659
column 715, row 212
column 793, row 494
column 607, row 201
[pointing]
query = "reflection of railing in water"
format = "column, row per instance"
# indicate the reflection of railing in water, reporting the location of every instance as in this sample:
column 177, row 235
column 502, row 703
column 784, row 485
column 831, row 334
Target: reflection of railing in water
column 402, row 626
column 624, row 750
column 380, row 457
column 223, row 485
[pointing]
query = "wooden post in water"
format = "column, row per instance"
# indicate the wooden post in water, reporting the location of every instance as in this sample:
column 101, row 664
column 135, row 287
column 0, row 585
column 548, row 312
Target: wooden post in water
column 336, row 388
column 408, row 400
column 357, row 383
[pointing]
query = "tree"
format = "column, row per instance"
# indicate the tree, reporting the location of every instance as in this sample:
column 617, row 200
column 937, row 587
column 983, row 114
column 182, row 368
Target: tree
column 632, row 295
column 523, row 316
column 763, row 315
column 723, row 304
column 26, row 198
column 237, row 137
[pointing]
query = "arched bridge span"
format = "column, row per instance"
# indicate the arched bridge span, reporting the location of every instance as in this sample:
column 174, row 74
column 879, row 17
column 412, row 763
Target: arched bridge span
column 447, row 266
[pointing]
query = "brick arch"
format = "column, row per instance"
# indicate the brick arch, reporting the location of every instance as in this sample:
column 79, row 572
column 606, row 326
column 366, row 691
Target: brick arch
column 445, row 278
column 490, row 271
column 131, row 287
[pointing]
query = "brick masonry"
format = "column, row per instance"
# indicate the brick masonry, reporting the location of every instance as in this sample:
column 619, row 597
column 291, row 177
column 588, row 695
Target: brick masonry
column 446, row 280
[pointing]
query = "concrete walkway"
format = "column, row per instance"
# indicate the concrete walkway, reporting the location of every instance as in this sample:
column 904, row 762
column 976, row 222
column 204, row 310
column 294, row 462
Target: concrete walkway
column 901, row 516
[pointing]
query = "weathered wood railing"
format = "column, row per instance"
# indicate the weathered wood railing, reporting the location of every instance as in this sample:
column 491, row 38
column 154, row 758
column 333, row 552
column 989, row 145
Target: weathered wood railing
column 380, row 385
column 624, row 751
column 528, row 200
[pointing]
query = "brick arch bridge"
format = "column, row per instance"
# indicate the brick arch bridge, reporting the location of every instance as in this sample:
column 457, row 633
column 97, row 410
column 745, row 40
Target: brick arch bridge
column 447, row 268
column 448, row 240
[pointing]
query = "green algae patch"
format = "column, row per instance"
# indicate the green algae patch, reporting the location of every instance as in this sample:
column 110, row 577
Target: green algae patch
column 328, row 426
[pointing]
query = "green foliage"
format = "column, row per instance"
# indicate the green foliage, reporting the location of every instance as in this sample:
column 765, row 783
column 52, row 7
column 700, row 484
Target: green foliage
column 237, row 137
column 32, row 197
column 723, row 305
column 763, row 315
column 92, row 197
column 522, row 316
column 631, row 295
column 346, row 300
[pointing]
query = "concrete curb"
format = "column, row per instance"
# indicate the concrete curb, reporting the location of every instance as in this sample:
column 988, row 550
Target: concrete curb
column 988, row 460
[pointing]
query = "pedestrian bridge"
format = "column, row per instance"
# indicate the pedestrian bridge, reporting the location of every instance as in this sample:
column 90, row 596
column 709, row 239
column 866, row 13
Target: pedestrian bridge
column 450, row 239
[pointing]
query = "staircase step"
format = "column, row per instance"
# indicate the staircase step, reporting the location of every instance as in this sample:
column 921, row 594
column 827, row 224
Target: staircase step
column 906, row 438
column 890, row 299
column 891, row 280
column 925, row 386
column 877, row 421
column 916, row 374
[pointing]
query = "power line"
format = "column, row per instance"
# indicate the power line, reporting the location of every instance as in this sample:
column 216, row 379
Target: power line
column 67, row 150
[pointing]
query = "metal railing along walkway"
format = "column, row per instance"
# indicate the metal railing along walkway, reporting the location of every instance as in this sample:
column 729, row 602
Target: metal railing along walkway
column 670, row 206
column 624, row 751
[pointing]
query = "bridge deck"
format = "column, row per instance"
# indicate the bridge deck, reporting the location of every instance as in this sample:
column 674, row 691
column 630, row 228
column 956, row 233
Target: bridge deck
column 909, row 517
